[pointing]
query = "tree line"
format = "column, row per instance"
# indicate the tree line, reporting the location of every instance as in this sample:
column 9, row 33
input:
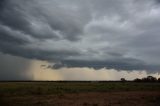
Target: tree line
column 145, row 79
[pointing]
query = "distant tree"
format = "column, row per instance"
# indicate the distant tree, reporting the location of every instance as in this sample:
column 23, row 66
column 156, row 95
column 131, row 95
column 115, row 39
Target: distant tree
column 137, row 80
column 149, row 79
column 144, row 79
column 152, row 79
column 123, row 79
column 158, row 80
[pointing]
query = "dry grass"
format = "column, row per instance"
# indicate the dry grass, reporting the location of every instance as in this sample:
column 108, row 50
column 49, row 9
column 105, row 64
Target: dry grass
column 79, row 94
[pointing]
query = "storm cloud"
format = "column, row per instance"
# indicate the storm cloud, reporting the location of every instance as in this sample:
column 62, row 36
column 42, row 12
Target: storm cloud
column 114, row 34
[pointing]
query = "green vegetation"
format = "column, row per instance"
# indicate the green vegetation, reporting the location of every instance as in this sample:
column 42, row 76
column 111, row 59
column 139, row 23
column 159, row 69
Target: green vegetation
column 147, row 79
column 47, row 88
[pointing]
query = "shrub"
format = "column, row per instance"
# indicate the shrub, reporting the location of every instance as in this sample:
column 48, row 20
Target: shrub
column 137, row 80
column 123, row 79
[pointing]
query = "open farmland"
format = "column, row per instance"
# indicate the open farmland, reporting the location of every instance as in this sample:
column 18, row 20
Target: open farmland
column 79, row 93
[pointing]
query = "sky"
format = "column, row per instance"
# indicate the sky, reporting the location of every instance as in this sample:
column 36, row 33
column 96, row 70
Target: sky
column 79, row 39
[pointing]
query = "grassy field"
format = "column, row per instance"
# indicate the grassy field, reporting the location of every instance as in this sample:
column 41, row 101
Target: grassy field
column 43, row 88
column 20, row 91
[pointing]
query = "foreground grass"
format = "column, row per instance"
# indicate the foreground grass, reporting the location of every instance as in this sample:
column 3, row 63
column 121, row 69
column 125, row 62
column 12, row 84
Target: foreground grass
column 47, row 88
column 79, row 94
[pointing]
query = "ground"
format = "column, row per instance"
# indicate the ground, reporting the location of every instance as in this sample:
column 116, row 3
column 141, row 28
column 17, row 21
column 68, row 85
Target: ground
column 79, row 94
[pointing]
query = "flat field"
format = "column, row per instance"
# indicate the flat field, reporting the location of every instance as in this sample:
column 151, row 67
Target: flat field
column 79, row 93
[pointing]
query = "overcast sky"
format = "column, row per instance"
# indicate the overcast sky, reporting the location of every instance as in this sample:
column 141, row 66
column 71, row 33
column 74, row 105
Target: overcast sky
column 79, row 34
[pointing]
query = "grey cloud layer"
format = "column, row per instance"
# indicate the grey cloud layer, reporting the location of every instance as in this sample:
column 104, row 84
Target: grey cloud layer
column 119, row 34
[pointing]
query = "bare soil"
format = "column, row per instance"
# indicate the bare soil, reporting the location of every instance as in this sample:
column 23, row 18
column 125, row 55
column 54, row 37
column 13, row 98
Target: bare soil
column 126, row 98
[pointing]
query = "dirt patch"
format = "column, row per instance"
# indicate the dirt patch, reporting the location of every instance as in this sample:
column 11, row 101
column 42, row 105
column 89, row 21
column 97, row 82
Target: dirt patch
column 130, row 98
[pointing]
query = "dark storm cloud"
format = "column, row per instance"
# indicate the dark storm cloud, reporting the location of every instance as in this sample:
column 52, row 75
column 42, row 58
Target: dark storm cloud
column 158, row 1
column 118, row 34
column 8, row 37
column 16, row 16
column 33, row 19
column 2, row 3
column 123, row 64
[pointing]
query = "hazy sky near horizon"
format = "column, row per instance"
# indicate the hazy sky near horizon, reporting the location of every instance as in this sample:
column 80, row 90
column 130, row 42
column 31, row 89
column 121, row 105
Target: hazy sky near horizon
column 79, row 39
